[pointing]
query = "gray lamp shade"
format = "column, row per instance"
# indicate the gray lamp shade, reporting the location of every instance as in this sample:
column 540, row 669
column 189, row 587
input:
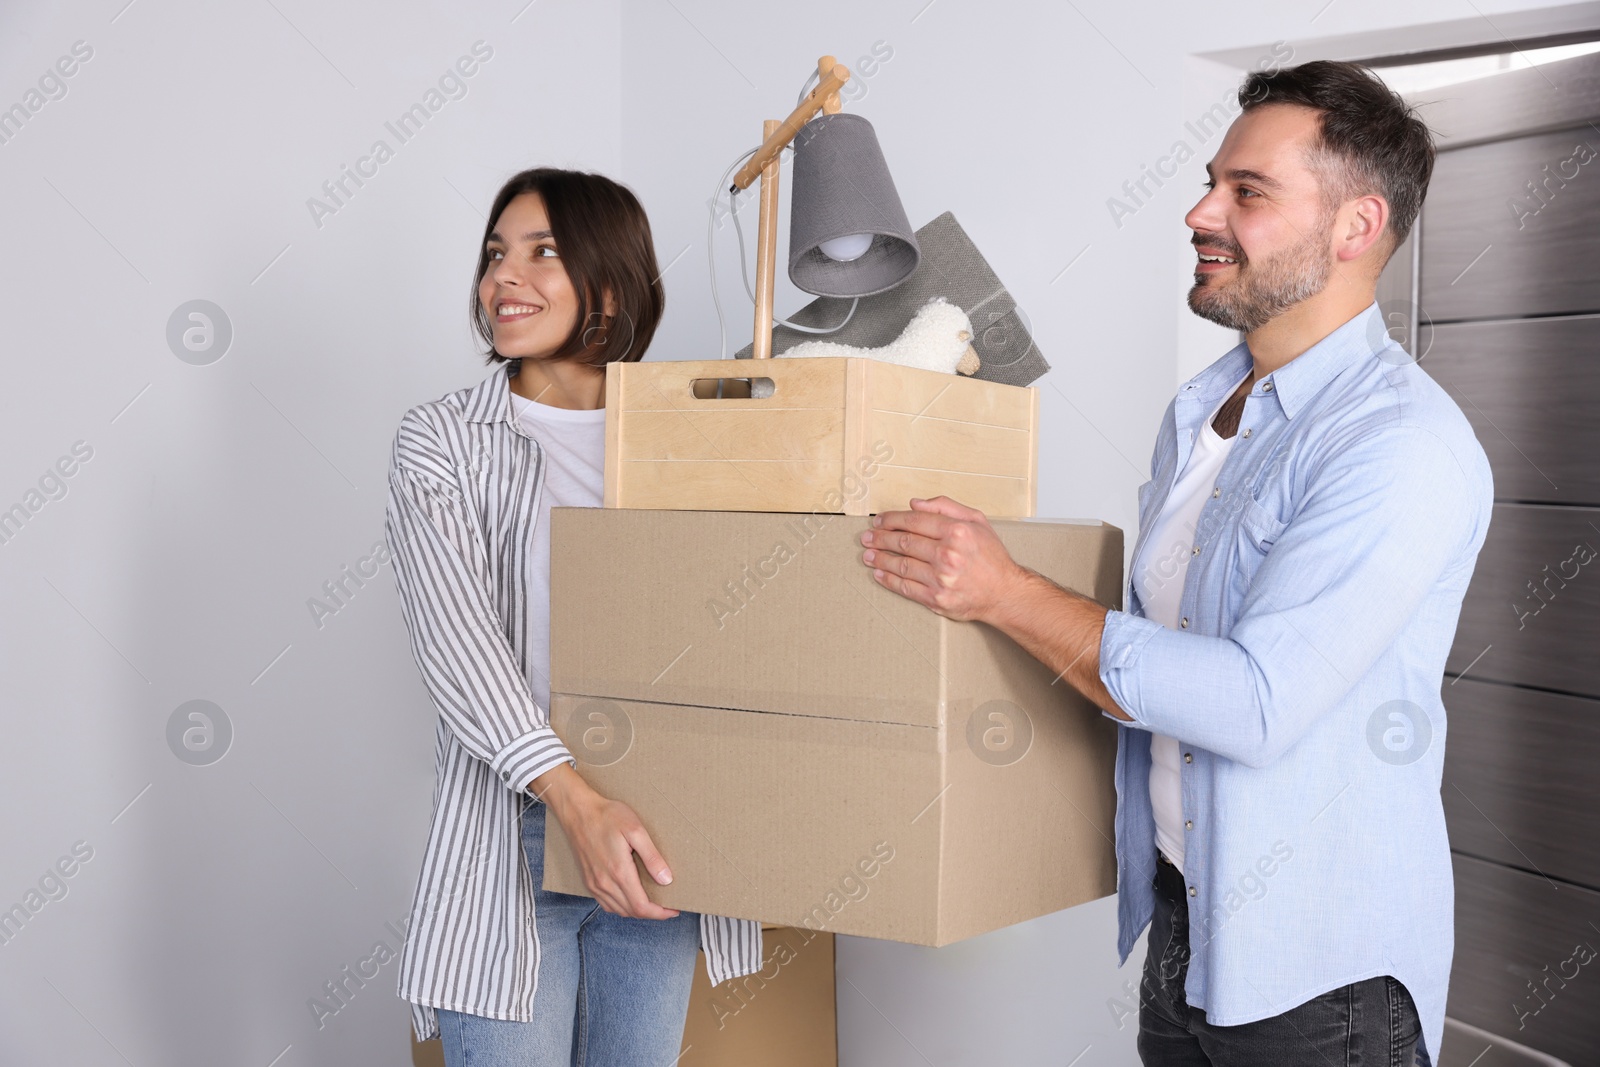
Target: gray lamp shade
column 842, row 187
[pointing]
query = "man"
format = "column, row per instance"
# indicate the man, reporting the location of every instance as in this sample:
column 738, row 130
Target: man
column 1316, row 507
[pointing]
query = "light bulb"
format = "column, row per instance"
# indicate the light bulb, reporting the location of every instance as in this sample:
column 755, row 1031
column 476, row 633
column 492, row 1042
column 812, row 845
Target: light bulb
column 849, row 247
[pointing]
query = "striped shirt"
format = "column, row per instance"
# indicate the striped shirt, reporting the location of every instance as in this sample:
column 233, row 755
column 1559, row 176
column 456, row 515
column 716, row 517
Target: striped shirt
column 464, row 488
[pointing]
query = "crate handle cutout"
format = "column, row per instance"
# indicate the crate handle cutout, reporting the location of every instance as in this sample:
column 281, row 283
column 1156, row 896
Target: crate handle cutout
column 731, row 388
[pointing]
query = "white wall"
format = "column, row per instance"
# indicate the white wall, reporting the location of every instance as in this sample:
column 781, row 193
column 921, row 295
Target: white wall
column 179, row 564
column 219, row 498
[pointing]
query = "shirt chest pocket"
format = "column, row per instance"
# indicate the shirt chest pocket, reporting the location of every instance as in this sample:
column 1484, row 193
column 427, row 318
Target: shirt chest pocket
column 1259, row 528
column 1260, row 525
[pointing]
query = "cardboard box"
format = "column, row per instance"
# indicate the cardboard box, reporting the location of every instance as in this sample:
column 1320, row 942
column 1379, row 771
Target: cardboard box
column 808, row 748
column 781, row 1016
column 845, row 435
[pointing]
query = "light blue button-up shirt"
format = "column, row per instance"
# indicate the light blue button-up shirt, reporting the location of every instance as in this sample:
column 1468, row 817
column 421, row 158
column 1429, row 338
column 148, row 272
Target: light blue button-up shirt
column 1303, row 682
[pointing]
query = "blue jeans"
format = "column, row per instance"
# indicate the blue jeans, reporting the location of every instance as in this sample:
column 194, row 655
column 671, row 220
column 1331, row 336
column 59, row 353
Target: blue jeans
column 1372, row 1023
column 613, row 992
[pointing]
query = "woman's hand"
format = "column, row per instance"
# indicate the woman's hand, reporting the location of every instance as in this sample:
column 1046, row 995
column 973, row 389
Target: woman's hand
column 604, row 835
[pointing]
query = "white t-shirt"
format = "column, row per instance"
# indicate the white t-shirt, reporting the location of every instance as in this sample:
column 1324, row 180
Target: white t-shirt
column 574, row 443
column 1158, row 576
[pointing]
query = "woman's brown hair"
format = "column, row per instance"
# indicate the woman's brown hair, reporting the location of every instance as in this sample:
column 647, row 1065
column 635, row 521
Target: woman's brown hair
column 603, row 237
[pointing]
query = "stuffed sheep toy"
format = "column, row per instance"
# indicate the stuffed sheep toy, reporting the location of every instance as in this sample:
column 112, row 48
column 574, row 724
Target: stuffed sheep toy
column 938, row 337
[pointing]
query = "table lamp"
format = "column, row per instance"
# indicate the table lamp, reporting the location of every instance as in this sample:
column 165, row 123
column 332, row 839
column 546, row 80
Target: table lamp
column 848, row 232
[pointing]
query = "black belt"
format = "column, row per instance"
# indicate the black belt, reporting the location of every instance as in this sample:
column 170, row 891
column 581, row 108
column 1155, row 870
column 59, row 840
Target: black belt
column 1169, row 880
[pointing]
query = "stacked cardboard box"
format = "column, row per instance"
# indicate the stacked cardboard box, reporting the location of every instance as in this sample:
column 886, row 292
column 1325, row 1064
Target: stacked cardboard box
column 781, row 1016
column 808, row 748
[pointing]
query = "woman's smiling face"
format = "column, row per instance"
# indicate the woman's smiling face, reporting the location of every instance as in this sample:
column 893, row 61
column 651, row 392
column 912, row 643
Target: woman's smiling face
column 525, row 290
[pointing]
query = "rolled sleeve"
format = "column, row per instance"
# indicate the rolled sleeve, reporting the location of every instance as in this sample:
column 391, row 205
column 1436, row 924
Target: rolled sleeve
column 1122, row 644
column 459, row 643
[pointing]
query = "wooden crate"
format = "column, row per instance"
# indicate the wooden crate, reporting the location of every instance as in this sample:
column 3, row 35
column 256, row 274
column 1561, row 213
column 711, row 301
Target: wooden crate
column 843, row 435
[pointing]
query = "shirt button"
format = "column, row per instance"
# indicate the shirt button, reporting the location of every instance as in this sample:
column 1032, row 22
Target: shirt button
column 1184, row 622
column 1188, row 757
column 1188, row 824
column 1266, row 387
column 1193, row 892
column 1247, row 432
column 1216, row 491
column 1196, row 551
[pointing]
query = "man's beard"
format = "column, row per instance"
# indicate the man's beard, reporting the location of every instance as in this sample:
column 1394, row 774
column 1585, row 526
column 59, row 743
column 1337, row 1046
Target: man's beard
column 1262, row 291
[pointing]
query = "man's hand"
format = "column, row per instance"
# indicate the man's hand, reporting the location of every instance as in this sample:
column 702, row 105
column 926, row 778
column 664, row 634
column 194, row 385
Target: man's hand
column 604, row 835
column 947, row 557
column 943, row 555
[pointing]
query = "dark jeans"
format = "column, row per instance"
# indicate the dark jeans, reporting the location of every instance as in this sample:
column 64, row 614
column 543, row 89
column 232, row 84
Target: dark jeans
column 1372, row 1023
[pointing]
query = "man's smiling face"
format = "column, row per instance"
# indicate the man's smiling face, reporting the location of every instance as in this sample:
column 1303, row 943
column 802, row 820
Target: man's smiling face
column 1263, row 231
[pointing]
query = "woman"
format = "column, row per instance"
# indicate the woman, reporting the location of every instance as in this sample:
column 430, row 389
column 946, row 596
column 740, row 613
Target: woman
column 503, row 971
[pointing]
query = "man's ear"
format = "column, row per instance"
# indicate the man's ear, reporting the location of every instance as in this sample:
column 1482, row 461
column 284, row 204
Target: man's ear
column 1365, row 219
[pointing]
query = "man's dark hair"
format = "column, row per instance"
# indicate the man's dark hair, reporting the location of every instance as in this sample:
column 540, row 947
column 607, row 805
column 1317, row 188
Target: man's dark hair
column 1371, row 141
column 603, row 237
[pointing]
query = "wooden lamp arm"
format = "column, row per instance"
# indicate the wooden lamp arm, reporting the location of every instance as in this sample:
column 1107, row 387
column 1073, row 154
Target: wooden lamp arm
column 831, row 77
